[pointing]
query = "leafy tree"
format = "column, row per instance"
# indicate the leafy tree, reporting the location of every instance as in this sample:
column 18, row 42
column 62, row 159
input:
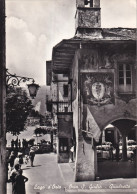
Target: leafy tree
column 48, row 120
column 37, row 114
column 34, row 113
column 18, row 107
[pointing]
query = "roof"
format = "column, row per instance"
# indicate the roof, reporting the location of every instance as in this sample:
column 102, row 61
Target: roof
column 63, row 53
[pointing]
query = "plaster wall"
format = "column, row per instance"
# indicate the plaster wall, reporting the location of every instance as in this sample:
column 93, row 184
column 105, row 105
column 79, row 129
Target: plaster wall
column 90, row 117
column 94, row 62
column 85, row 165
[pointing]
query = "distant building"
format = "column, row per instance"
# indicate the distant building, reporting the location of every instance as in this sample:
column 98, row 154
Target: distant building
column 93, row 84
column 32, row 121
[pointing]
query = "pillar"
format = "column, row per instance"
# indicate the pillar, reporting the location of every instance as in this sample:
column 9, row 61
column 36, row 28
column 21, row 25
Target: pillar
column 124, row 148
column 51, row 136
column 86, row 163
column 103, row 136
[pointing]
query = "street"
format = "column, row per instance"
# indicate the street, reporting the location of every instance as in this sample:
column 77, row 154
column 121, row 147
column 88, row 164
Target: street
column 49, row 177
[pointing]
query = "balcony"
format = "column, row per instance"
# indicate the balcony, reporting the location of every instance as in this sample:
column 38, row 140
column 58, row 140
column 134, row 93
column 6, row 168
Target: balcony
column 60, row 106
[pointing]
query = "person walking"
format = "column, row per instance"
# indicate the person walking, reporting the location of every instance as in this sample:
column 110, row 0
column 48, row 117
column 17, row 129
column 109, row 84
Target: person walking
column 12, row 143
column 32, row 155
column 16, row 143
column 71, row 153
column 19, row 160
column 12, row 179
column 11, row 160
column 7, row 163
column 19, row 143
column 20, row 182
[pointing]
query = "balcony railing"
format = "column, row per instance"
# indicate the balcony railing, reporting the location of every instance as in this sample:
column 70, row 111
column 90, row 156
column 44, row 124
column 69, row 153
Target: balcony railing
column 61, row 106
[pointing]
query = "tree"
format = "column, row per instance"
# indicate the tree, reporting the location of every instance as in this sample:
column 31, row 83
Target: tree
column 37, row 114
column 18, row 107
column 48, row 120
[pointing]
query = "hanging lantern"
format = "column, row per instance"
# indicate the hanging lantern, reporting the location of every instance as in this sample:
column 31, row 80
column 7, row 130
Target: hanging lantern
column 33, row 89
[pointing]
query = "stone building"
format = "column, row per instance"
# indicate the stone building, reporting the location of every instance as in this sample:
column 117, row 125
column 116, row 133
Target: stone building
column 101, row 68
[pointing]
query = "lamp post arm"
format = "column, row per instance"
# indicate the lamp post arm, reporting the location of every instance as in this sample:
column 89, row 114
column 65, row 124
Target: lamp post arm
column 13, row 80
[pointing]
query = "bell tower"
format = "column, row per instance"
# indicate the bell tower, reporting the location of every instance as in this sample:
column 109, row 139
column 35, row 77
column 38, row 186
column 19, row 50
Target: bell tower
column 88, row 14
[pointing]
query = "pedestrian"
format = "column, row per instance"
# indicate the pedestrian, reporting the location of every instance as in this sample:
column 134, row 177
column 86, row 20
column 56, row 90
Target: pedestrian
column 19, row 143
column 16, row 143
column 23, row 143
column 20, row 182
column 26, row 159
column 31, row 155
column 12, row 143
column 19, row 160
column 111, row 152
column 117, row 152
column 11, row 160
column 7, row 163
column 12, row 179
column 27, row 150
column 71, row 153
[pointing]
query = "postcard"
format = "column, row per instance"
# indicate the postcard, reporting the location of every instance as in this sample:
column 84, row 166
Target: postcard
column 70, row 97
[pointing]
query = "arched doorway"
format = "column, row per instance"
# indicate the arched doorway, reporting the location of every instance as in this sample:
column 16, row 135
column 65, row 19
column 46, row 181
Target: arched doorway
column 117, row 134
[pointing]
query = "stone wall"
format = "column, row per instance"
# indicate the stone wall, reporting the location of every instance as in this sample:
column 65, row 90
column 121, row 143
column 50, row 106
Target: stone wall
column 85, row 16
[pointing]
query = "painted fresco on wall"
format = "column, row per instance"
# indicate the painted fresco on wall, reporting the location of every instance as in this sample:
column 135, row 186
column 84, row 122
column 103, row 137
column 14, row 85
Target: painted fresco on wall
column 109, row 60
column 97, row 88
column 89, row 60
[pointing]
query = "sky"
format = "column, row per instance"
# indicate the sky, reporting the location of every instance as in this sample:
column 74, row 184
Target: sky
column 34, row 27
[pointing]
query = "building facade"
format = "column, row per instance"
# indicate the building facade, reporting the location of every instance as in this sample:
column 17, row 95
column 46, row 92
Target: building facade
column 101, row 67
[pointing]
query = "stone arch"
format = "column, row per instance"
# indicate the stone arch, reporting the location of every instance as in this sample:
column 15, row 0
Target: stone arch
column 122, row 156
column 118, row 118
column 124, row 125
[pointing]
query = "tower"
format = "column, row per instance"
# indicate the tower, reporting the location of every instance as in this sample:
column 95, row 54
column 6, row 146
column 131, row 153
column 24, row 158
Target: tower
column 88, row 14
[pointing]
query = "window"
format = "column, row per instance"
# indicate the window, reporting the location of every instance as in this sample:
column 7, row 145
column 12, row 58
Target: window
column 66, row 109
column 63, row 145
column 125, row 78
column 88, row 3
column 65, row 87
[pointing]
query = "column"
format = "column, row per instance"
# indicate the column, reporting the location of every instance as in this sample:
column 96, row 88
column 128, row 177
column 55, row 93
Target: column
column 86, row 163
column 103, row 136
column 124, row 148
column 51, row 136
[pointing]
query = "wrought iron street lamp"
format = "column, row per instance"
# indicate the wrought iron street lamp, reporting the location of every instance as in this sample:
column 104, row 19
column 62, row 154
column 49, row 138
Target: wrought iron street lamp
column 33, row 89
column 12, row 80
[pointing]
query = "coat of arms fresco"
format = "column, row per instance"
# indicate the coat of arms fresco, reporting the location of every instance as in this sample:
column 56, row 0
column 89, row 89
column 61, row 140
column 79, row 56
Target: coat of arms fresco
column 98, row 88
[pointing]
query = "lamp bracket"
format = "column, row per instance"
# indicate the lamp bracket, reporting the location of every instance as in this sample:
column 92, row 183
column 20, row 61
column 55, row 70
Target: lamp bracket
column 12, row 80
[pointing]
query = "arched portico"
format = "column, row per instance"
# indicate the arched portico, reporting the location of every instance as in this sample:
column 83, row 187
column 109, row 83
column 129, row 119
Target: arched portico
column 124, row 125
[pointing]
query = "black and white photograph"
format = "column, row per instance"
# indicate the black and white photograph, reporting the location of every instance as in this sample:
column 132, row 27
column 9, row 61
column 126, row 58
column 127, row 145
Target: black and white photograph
column 68, row 103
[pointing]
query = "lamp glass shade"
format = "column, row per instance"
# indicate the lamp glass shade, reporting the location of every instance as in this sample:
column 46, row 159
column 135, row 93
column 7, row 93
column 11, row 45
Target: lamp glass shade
column 33, row 88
